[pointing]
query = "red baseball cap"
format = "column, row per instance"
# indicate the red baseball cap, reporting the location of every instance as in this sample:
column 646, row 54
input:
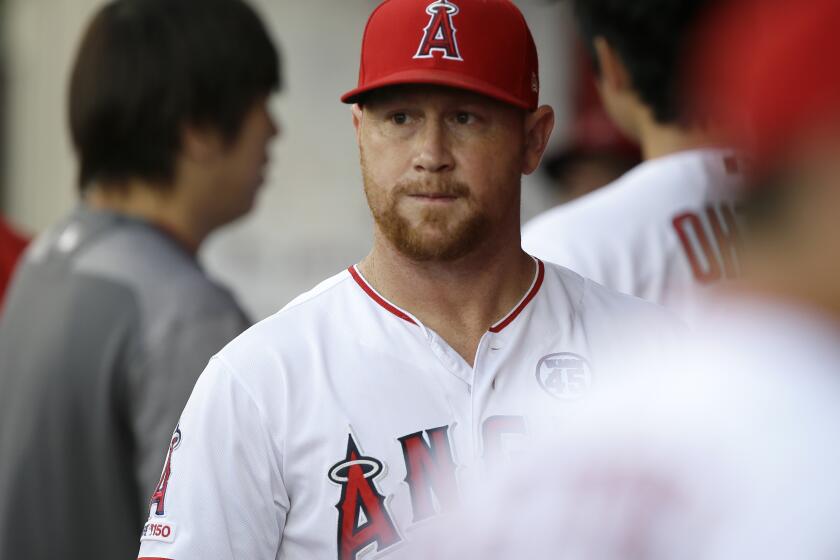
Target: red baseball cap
column 483, row 46
column 764, row 69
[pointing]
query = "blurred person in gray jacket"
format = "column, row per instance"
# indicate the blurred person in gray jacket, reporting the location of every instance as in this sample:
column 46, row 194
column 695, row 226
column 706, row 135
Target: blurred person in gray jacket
column 110, row 318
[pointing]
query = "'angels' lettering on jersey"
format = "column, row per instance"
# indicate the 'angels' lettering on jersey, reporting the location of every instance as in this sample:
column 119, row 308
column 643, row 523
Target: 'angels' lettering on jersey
column 364, row 522
column 430, row 471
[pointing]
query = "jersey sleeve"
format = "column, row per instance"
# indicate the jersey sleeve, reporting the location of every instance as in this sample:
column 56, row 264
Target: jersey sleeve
column 161, row 380
column 221, row 493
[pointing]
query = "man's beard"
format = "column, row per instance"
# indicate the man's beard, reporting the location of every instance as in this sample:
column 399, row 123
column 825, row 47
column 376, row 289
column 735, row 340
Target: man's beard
column 455, row 235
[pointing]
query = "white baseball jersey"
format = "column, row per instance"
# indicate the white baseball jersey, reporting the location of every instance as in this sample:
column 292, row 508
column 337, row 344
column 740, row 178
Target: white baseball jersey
column 661, row 232
column 339, row 426
column 729, row 453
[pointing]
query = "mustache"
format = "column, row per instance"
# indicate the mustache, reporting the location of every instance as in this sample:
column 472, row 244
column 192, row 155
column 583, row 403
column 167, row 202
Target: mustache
column 443, row 187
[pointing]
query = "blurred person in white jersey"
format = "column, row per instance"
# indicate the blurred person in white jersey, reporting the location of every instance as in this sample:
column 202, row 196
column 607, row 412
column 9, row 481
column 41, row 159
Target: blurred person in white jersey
column 667, row 229
column 729, row 450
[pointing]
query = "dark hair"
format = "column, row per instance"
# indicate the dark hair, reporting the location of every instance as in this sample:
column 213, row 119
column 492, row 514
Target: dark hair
column 650, row 36
column 147, row 68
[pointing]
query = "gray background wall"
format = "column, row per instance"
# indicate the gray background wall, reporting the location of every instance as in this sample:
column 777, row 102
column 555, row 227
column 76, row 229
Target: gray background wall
column 311, row 220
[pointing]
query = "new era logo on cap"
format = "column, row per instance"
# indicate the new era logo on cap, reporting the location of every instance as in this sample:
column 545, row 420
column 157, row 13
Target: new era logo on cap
column 483, row 46
column 439, row 35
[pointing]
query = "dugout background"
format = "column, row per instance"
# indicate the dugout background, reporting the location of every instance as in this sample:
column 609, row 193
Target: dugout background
column 311, row 219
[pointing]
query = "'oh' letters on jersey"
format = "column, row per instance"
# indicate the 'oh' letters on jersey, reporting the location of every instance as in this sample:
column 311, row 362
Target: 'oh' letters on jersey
column 712, row 257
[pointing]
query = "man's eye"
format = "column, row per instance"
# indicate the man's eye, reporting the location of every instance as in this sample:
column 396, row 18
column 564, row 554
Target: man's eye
column 464, row 118
column 399, row 118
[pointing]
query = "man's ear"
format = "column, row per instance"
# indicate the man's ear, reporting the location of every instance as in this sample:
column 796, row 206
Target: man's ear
column 613, row 72
column 201, row 143
column 356, row 110
column 539, row 125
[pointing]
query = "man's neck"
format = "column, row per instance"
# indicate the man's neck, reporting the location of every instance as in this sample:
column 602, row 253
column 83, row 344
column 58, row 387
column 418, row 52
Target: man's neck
column 660, row 140
column 459, row 300
column 163, row 208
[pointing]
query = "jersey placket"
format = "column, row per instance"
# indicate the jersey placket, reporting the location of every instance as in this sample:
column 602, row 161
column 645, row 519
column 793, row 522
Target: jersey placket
column 469, row 413
column 480, row 378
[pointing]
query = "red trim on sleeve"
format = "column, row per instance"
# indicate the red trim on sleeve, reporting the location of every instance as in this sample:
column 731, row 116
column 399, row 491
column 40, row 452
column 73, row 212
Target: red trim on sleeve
column 498, row 327
column 376, row 297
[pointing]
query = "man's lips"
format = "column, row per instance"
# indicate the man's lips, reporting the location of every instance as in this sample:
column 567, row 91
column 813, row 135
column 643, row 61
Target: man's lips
column 433, row 196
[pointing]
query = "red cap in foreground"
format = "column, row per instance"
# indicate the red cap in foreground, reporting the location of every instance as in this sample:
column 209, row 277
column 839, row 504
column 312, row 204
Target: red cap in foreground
column 767, row 71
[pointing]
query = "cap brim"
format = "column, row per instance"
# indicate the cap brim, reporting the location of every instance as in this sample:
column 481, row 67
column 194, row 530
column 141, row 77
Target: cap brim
column 439, row 78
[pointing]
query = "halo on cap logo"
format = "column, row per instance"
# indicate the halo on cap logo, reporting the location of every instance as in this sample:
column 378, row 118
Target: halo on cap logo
column 439, row 34
column 564, row 376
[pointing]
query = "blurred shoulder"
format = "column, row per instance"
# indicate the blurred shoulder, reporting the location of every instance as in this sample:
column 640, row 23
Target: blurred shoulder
column 593, row 299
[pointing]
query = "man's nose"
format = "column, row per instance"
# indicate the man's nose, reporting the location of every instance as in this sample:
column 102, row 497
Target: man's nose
column 434, row 152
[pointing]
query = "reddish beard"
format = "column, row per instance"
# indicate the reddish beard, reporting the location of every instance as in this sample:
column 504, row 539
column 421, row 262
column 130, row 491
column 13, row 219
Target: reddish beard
column 454, row 236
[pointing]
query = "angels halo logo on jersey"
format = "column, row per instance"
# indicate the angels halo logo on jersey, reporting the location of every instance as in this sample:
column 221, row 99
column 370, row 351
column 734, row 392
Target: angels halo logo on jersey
column 159, row 495
column 440, row 34
column 156, row 529
column 565, row 376
column 364, row 522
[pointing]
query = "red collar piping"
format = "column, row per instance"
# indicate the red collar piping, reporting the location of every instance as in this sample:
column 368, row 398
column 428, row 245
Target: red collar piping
column 497, row 328
column 535, row 287
column 376, row 297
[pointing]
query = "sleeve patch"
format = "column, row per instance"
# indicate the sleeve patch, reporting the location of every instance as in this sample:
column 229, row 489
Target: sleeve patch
column 156, row 531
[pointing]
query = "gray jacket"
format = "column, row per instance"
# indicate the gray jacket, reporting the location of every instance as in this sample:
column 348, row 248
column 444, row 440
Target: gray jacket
column 106, row 327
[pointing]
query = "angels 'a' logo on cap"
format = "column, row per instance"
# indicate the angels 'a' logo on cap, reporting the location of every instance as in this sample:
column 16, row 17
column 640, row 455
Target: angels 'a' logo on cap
column 439, row 34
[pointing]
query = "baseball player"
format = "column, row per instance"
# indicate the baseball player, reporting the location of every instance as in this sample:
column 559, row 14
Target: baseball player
column 343, row 424
column 736, row 456
column 667, row 229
